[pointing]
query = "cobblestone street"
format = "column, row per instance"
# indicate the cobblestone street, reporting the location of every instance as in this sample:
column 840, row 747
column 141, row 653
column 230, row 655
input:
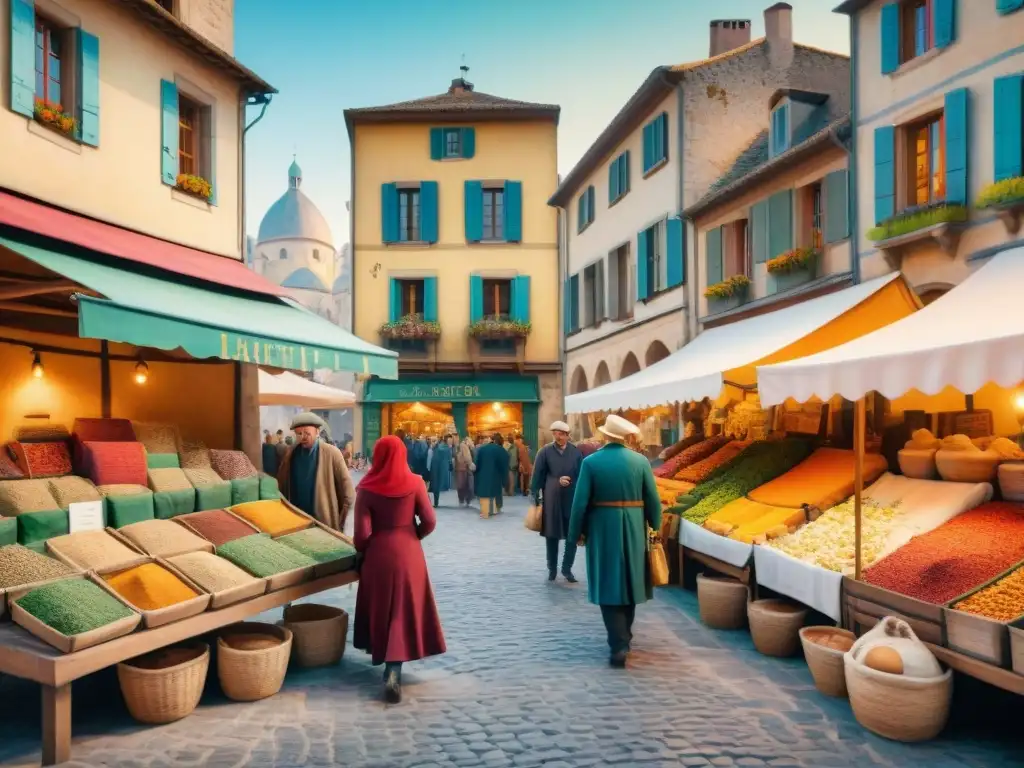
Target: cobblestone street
column 525, row 682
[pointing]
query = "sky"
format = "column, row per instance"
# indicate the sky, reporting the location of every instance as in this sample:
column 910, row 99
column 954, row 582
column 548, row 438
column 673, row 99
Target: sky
column 588, row 56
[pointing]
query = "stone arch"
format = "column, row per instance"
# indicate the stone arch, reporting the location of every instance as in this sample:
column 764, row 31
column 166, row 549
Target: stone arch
column 578, row 382
column 655, row 353
column 630, row 365
column 601, row 375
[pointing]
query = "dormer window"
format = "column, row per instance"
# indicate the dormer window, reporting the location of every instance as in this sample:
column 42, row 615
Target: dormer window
column 778, row 137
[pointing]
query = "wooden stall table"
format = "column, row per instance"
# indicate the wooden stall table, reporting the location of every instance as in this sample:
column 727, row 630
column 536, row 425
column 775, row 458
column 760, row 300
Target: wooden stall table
column 23, row 655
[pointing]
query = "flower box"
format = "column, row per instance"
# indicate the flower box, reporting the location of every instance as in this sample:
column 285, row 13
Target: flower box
column 499, row 328
column 792, row 268
column 1006, row 199
column 728, row 294
column 411, row 327
column 943, row 223
column 196, row 186
column 54, row 117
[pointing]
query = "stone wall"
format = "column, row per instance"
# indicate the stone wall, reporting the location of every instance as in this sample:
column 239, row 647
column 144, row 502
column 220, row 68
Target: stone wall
column 213, row 19
column 551, row 404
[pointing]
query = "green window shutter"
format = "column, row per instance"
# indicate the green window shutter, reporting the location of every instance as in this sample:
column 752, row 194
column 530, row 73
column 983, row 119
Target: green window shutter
column 394, row 300
column 885, row 173
column 674, row 247
column 430, row 299
column 389, row 213
column 23, row 57
column 957, row 119
column 474, row 209
column 88, row 88
column 1009, row 6
column 476, row 298
column 371, row 426
column 613, row 180
column 759, row 231
column 1008, row 119
column 531, row 426
column 943, row 22
column 468, row 142
column 428, row 211
column 169, row 132
column 780, row 223
column 436, row 143
column 567, row 306
column 713, row 255
column 574, row 299
column 890, row 43
column 514, row 211
column 641, row 264
column 521, row 299
column 837, row 207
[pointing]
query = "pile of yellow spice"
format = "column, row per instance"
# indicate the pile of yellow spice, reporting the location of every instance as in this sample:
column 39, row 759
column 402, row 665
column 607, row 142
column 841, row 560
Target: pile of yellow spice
column 1002, row 601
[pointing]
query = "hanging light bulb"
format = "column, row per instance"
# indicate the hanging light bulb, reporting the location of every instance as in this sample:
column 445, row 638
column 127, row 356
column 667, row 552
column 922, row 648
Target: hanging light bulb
column 37, row 366
column 141, row 372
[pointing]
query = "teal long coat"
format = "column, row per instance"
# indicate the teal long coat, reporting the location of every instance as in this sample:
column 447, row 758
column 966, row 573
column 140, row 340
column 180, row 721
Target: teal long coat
column 491, row 471
column 617, row 572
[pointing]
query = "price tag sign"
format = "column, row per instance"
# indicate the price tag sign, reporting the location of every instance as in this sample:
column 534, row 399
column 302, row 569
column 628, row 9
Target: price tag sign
column 86, row 516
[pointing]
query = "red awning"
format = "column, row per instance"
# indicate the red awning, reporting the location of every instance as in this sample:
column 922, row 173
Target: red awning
column 125, row 244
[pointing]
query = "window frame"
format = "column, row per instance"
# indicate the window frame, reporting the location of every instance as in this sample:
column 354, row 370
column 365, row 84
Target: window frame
column 448, row 135
column 620, row 167
column 780, row 128
column 494, row 198
column 498, row 288
column 910, row 32
column 660, row 157
column 410, row 207
column 411, row 290
column 193, row 129
column 625, row 299
column 585, row 204
column 657, row 264
column 934, row 124
column 817, row 217
column 54, row 31
column 205, row 105
column 736, row 251
column 590, row 302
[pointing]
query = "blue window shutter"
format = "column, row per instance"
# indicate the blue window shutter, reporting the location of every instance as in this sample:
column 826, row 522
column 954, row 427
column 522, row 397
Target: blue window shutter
column 590, row 203
column 521, row 299
column 885, row 173
column 957, row 118
column 88, row 88
column 389, row 213
column 394, row 300
column 837, row 207
column 1008, row 119
column 943, row 22
column 674, row 248
column 780, row 223
column 574, row 300
column 23, row 57
column 566, row 307
column 430, row 299
column 648, row 146
column 428, row 211
column 169, row 132
column 210, row 142
column 474, row 207
column 476, row 298
column 641, row 265
column 468, row 142
column 436, row 143
column 759, row 231
column 890, row 37
column 514, row 211
column 581, row 212
column 613, row 180
column 1009, row 6
column 662, row 133
column 713, row 257
column 624, row 171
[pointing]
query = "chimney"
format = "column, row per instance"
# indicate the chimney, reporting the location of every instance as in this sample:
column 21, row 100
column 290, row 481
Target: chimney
column 460, row 85
column 778, row 24
column 728, row 34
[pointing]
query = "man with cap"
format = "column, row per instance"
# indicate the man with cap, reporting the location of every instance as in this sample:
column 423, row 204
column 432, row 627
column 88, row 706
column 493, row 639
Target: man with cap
column 555, row 472
column 314, row 476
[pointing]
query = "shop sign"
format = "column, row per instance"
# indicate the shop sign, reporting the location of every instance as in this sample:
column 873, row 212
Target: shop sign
column 450, row 392
column 85, row 516
column 514, row 389
column 249, row 349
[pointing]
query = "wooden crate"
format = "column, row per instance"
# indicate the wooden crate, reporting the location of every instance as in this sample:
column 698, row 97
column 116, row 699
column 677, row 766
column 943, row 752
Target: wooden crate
column 1017, row 646
column 865, row 604
column 977, row 636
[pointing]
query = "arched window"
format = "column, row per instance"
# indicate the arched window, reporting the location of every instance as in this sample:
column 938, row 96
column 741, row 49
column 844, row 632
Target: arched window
column 283, row 254
column 316, row 254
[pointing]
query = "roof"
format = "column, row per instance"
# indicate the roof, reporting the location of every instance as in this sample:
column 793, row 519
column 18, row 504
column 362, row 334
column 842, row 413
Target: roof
column 168, row 24
column 293, row 216
column 340, row 284
column 796, row 94
column 851, row 6
column 304, row 278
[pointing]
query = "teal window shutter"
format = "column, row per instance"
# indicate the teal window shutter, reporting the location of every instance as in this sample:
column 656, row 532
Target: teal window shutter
column 1008, row 118
column 885, row 173
column 468, row 142
column 436, row 143
column 566, row 307
column 641, row 264
column 428, row 211
column 837, row 207
column 169, row 132
column 474, row 207
column 521, row 299
column 88, row 88
column 590, row 203
column 713, row 257
column 957, row 119
column 674, row 247
column 476, row 298
column 574, row 300
column 581, row 212
column 661, row 136
column 514, row 211
column 23, row 57
column 210, row 143
column 780, row 223
column 1009, row 6
column 389, row 213
column 394, row 301
column 624, row 172
column 759, row 231
column 943, row 22
column 430, row 299
column 890, row 42
column 613, row 180
column 648, row 146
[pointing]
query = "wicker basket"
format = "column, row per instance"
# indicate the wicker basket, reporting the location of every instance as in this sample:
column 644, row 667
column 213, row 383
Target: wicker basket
column 825, row 663
column 722, row 601
column 319, row 633
column 252, row 660
column 967, row 466
column 897, row 707
column 165, row 685
column 775, row 626
column 1011, row 480
column 918, row 464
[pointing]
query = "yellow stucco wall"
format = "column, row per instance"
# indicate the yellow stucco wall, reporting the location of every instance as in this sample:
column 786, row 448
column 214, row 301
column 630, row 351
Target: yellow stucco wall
column 516, row 151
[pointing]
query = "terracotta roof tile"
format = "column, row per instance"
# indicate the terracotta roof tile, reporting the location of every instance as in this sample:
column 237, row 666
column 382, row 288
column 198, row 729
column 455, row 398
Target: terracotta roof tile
column 455, row 100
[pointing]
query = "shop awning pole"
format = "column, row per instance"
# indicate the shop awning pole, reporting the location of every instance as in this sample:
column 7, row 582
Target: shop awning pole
column 859, row 425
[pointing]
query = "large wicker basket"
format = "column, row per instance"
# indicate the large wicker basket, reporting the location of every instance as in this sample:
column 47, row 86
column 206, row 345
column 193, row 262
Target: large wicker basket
column 826, row 663
column 897, row 707
column 967, row 466
column 1011, row 480
column 252, row 660
column 775, row 626
column 722, row 602
column 165, row 685
column 918, row 463
column 318, row 633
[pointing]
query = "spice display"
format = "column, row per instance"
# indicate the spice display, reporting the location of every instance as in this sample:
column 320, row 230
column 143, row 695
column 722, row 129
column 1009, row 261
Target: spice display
column 1006, row 448
column 699, row 471
column 150, row 587
column 672, row 456
column 271, row 516
column 169, row 479
column 1002, row 601
column 20, row 565
column 753, row 522
column 830, row 638
column 212, row 573
column 20, row 496
column 823, row 480
column 92, row 550
column 161, row 538
column 72, row 490
column 956, row 557
column 73, row 606
column 157, row 438
column 922, row 440
column 318, row 544
column 262, row 556
column 217, row 526
column 699, row 451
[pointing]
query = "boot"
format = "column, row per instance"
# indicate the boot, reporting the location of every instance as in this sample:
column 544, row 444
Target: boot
column 392, row 687
column 618, row 660
column 569, row 577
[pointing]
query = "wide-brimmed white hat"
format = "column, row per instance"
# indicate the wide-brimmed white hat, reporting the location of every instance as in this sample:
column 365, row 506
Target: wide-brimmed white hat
column 559, row 426
column 618, row 428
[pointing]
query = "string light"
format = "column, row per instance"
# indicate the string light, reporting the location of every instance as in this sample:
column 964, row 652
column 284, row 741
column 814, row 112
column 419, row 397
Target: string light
column 141, row 372
column 37, row 366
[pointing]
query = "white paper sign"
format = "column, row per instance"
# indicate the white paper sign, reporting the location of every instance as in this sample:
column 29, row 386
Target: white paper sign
column 86, row 516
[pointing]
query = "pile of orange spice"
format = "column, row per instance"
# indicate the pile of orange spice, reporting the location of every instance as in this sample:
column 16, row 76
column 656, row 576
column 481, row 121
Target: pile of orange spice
column 150, row 587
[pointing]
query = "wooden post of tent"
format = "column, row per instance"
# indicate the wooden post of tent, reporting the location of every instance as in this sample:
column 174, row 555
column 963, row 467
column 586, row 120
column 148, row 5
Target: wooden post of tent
column 859, row 424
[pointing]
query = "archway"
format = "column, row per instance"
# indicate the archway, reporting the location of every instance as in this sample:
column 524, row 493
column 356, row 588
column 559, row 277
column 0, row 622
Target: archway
column 578, row 382
column 602, row 376
column 656, row 352
column 629, row 366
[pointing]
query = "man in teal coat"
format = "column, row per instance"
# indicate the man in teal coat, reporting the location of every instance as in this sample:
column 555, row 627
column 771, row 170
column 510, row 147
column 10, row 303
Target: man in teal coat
column 616, row 500
column 491, row 471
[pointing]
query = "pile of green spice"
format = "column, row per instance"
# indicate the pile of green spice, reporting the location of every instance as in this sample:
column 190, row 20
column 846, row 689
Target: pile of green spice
column 20, row 565
column 73, row 606
column 261, row 556
column 318, row 544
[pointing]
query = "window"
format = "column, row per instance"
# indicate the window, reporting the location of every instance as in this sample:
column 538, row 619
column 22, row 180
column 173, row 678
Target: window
column 411, row 295
column 780, row 129
column 735, row 248
column 452, row 142
column 189, row 136
column 282, row 254
column 585, row 209
column 593, row 294
column 655, row 139
column 621, row 292
column 497, row 298
column 618, row 178
column 494, row 213
column 811, row 201
column 409, row 215
column 49, row 62
column 926, row 162
column 817, row 239
column 657, row 265
column 316, row 254
column 915, row 29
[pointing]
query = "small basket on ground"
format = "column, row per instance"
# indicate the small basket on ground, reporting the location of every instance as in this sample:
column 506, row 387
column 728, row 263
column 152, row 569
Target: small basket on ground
column 1011, row 480
column 722, row 602
column 967, row 467
column 918, row 463
column 896, row 707
column 824, row 648
column 252, row 659
column 775, row 626
column 318, row 633
column 165, row 685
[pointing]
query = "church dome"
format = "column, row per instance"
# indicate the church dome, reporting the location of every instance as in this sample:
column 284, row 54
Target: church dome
column 304, row 278
column 294, row 216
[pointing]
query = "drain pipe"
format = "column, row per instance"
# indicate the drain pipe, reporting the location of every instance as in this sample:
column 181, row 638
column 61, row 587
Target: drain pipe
column 851, row 204
column 249, row 101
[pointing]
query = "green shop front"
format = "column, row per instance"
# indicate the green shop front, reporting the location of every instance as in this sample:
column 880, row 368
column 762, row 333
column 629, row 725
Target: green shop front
column 434, row 406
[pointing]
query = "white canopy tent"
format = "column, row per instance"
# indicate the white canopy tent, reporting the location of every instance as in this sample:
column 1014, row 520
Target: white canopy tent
column 289, row 389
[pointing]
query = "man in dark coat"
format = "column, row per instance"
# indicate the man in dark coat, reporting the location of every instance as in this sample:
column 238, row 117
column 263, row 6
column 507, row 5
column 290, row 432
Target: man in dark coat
column 418, row 455
column 440, row 467
column 555, row 471
column 491, row 471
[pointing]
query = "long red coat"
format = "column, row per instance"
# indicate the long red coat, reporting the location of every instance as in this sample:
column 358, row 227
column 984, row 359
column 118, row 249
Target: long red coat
column 396, row 617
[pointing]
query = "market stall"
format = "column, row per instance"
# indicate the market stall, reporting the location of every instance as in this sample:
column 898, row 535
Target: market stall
column 288, row 389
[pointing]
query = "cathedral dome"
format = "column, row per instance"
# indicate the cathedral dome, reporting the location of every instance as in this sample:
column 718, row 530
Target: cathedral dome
column 294, row 216
column 305, row 279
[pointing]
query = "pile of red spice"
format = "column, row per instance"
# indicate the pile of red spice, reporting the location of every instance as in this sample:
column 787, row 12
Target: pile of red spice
column 217, row 526
column 956, row 557
column 691, row 455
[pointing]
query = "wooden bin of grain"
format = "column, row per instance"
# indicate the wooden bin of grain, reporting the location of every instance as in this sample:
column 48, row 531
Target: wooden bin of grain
column 269, row 559
column 333, row 552
column 226, row 582
column 162, row 538
column 217, row 526
column 276, row 517
column 977, row 624
column 21, row 568
column 1017, row 646
column 92, row 550
column 157, row 590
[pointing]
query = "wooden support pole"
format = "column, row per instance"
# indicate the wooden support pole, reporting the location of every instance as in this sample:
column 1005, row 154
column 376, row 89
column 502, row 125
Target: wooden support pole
column 859, row 425
column 105, row 379
column 56, row 724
